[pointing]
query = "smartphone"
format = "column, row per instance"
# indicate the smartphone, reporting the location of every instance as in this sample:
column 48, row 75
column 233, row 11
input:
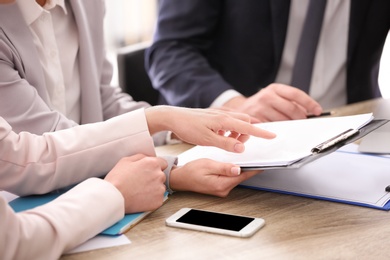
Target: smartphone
column 215, row 222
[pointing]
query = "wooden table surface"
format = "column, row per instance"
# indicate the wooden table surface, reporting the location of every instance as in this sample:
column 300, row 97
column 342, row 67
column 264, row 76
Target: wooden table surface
column 296, row 227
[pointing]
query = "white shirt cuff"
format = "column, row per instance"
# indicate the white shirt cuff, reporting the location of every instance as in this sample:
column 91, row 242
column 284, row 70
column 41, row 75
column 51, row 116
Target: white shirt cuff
column 225, row 97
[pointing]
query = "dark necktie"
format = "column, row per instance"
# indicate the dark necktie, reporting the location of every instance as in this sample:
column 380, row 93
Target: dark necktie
column 306, row 52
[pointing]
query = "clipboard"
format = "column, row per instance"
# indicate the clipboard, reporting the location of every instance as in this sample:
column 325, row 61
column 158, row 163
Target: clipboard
column 329, row 146
column 297, row 142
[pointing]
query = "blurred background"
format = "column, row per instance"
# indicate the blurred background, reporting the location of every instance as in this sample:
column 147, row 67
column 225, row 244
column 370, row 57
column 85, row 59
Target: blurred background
column 130, row 22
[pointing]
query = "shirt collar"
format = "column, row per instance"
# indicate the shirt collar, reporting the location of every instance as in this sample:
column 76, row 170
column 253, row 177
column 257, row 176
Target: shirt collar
column 31, row 10
column 52, row 3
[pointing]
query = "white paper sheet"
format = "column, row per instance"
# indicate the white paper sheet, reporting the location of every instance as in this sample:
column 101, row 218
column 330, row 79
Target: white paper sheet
column 99, row 242
column 295, row 140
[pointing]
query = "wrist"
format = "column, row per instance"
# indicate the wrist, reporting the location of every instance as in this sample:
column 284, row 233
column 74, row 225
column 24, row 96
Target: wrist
column 174, row 181
column 157, row 118
column 235, row 103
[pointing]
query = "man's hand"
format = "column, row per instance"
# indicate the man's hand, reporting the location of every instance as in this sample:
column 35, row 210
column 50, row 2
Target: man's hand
column 276, row 102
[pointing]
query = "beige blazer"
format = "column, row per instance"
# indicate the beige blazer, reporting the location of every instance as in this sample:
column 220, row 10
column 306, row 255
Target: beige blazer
column 24, row 99
column 57, row 160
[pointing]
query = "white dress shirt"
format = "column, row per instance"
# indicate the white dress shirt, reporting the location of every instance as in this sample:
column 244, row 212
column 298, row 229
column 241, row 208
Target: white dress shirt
column 55, row 36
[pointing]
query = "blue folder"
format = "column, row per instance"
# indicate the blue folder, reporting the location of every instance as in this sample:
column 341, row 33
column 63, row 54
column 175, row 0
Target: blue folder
column 386, row 207
column 344, row 176
column 29, row 202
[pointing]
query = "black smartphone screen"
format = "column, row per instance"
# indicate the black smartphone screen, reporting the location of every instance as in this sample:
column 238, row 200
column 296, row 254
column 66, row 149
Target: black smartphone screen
column 215, row 220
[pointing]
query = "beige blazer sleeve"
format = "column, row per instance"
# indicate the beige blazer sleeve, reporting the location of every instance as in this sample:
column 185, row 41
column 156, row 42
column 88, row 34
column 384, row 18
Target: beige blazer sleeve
column 47, row 231
column 38, row 164
column 31, row 164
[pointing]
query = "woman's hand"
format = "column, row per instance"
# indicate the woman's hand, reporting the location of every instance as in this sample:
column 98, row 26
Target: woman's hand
column 141, row 181
column 208, row 127
column 208, row 177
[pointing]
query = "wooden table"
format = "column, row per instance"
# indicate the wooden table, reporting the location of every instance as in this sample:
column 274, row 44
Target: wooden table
column 296, row 227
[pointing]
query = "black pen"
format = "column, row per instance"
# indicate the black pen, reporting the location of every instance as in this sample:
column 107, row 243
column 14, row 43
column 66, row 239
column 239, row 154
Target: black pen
column 327, row 113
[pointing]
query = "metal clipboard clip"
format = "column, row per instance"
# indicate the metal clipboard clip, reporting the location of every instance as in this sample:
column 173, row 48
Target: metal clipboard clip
column 333, row 141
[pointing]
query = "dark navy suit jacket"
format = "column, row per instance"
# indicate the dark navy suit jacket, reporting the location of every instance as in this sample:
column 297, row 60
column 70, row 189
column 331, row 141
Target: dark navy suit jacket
column 204, row 47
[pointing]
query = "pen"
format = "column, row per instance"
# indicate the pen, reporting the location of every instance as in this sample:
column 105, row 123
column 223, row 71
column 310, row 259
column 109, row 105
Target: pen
column 327, row 113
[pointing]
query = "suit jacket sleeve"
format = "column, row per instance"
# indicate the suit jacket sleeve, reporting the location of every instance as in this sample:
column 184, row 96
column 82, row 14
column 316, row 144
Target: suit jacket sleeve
column 175, row 61
column 47, row 231
column 66, row 157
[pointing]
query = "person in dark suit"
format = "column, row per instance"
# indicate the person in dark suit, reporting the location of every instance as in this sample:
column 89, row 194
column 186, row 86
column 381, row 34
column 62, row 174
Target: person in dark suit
column 240, row 55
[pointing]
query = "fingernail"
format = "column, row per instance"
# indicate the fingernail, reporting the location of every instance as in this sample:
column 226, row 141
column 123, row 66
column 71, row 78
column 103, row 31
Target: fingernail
column 318, row 111
column 236, row 170
column 239, row 147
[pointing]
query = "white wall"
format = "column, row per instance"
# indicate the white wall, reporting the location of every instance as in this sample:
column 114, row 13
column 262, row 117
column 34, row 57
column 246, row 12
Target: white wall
column 384, row 72
column 128, row 22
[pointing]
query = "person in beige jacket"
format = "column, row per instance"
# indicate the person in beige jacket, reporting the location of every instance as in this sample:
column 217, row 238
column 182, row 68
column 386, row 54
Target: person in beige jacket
column 33, row 164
